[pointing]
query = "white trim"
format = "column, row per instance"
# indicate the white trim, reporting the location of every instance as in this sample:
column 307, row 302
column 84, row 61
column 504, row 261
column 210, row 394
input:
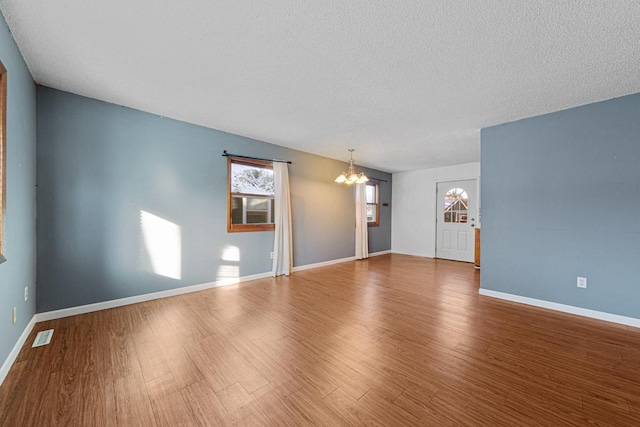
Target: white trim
column 66, row 312
column 600, row 315
column 457, row 179
column 335, row 261
column 6, row 366
column 419, row 255
column 323, row 264
column 379, row 253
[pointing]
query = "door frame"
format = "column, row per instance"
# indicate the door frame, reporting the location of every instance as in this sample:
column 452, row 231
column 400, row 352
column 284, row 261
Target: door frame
column 435, row 224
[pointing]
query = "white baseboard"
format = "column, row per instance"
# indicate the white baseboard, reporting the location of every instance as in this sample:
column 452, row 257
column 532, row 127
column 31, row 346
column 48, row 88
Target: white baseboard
column 379, row 253
column 323, row 264
column 600, row 315
column 66, row 312
column 16, row 349
column 335, row 261
column 421, row 255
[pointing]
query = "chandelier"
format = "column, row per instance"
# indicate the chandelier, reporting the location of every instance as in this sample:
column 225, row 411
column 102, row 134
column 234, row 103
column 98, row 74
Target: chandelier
column 351, row 177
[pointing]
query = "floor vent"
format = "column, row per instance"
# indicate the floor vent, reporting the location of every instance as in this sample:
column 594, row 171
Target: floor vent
column 43, row 338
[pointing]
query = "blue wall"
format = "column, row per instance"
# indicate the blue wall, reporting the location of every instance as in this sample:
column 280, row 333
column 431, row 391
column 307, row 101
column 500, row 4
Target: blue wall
column 19, row 223
column 561, row 199
column 100, row 165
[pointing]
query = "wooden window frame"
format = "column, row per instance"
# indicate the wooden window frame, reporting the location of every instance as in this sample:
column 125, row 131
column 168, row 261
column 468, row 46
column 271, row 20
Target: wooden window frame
column 3, row 156
column 375, row 223
column 236, row 228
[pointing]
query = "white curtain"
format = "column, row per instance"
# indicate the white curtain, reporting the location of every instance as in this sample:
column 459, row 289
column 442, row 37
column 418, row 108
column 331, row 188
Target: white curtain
column 282, row 248
column 362, row 238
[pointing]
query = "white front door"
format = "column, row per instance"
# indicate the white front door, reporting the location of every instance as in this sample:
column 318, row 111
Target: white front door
column 457, row 215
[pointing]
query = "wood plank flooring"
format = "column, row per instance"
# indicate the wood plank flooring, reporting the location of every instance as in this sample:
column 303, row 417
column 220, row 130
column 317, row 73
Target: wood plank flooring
column 393, row 340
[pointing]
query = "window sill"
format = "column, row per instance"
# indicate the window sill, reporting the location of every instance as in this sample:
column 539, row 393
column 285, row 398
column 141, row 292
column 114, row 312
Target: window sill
column 247, row 227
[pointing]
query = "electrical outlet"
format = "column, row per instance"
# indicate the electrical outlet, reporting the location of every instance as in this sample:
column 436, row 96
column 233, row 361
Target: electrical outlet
column 582, row 282
column 14, row 313
column 26, row 293
column 271, row 255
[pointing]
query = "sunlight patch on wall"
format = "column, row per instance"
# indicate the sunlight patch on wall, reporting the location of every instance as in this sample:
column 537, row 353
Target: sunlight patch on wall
column 163, row 242
column 231, row 253
column 228, row 274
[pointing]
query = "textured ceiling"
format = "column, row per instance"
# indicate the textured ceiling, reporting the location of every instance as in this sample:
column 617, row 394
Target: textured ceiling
column 409, row 84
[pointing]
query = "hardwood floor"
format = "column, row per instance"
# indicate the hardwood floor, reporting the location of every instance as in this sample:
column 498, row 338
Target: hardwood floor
column 393, row 340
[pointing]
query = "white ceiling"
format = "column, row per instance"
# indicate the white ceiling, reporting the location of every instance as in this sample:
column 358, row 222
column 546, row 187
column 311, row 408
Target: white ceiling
column 407, row 83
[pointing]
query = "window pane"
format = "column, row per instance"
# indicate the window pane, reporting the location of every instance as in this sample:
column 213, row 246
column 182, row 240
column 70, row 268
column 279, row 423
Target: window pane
column 373, row 199
column 371, row 193
column 254, row 204
column 236, row 210
column 252, row 210
column 256, row 217
column 251, row 179
column 456, row 202
column 371, row 213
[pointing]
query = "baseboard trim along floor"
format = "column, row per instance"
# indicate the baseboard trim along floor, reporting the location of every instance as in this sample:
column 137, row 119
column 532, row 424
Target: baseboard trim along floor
column 585, row 312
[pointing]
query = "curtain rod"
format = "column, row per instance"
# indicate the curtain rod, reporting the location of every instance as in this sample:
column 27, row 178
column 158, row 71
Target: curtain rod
column 225, row 154
column 378, row 179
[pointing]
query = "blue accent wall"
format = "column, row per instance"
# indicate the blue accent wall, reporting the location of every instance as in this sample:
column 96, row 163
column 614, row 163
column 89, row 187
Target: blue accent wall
column 561, row 199
column 19, row 232
column 100, row 165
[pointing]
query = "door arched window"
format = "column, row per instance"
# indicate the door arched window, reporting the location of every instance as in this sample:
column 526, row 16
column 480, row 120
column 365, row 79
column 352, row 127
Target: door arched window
column 456, row 205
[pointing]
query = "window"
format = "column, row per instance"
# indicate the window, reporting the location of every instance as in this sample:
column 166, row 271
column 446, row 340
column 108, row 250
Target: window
column 3, row 153
column 250, row 202
column 456, row 204
column 373, row 204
